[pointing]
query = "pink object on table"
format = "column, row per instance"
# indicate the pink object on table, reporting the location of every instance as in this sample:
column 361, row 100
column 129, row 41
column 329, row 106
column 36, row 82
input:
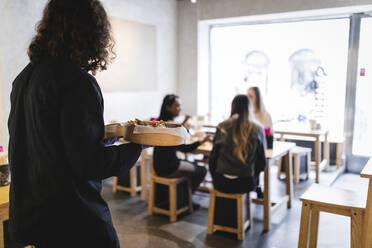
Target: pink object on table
column 153, row 119
column 267, row 131
column 1, row 149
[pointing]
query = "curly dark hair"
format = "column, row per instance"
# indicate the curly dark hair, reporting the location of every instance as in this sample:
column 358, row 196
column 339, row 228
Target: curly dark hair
column 78, row 30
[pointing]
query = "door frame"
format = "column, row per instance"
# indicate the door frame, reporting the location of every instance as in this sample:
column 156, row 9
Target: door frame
column 354, row 163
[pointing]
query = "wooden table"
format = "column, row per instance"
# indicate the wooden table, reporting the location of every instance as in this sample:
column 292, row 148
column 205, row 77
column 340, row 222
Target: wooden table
column 4, row 211
column 302, row 131
column 367, row 225
column 280, row 149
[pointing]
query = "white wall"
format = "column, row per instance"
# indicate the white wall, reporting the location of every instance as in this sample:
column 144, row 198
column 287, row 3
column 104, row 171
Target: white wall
column 163, row 14
column 187, row 52
column 232, row 10
column 17, row 25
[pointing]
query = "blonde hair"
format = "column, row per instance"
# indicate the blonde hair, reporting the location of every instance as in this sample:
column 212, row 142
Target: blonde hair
column 242, row 127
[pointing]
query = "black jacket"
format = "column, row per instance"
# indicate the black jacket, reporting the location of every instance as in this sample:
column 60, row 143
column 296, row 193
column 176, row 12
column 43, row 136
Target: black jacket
column 165, row 158
column 223, row 159
column 58, row 158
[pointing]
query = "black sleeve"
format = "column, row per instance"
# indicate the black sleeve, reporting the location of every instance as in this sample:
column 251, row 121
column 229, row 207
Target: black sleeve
column 215, row 151
column 261, row 152
column 82, row 133
column 188, row 148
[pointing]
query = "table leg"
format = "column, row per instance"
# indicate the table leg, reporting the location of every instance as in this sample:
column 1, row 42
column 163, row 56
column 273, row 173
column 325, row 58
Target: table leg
column 267, row 201
column 289, row 180
column 326, row 150
column 317, row 159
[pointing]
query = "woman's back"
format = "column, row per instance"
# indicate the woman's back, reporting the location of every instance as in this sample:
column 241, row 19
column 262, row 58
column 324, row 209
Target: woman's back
column 227, row 162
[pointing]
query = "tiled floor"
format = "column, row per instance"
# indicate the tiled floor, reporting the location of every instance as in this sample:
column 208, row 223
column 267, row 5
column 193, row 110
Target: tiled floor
column 136, row 229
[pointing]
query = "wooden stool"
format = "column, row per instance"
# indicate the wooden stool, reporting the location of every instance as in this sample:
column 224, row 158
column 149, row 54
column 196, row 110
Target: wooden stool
column 242, row 222
column 132, row 185
column 297, row 153
column 320, row 198
column 171, row 183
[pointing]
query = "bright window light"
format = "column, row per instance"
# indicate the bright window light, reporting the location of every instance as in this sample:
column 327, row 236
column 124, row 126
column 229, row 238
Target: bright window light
column 300, row 68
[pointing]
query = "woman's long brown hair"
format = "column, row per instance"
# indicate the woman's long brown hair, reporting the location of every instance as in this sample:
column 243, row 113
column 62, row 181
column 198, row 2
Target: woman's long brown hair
column 242, row 127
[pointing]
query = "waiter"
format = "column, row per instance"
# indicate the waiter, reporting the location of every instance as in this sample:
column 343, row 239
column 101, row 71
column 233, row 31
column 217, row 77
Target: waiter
column 57, row 150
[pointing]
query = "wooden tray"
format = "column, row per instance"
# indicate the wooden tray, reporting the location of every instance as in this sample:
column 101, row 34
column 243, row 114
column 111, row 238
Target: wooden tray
column 151, row 139
column 114, row 130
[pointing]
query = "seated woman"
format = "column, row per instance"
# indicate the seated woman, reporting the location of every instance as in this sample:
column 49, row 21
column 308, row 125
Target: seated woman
column 238, row 154
column 260, row 114
column 166, row 163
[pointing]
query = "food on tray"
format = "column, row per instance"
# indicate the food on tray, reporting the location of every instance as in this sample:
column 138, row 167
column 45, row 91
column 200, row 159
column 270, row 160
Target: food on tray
column 154, row 133
column 153, row 123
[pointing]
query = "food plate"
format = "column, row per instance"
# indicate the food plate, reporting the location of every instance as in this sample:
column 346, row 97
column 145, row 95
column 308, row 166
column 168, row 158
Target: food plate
column 152, row 133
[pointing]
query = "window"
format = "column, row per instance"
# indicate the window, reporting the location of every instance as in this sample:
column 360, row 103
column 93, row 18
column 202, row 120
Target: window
column 300, row 68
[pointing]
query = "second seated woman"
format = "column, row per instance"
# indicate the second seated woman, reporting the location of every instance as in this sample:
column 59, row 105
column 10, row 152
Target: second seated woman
column 238, row 154
column 166, row 162
column 260, row 113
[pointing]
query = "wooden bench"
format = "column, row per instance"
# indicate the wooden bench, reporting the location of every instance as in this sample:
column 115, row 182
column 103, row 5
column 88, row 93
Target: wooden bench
column 241, row 222
column 319, row 198
column 171, row 183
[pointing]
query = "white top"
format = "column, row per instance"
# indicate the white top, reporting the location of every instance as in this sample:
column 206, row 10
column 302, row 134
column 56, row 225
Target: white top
column 264, row 119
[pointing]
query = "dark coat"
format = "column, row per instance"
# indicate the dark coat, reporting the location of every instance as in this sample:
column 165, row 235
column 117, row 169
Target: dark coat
column 224, row 161
column 58, row 158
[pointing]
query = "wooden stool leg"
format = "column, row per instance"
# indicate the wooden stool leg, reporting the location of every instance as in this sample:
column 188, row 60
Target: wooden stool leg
column 143, row 175
column 133, row 181
column 279, row 167
column 212, row 200
column 356, row 229
column 296, row 168
column 173, row 202
column 190, row 194
column 304, row 227
column 249, row 210
column 240, row 219
column 317, row 160
column 151, row 197
column 314, row 228
column 308, row 164
column 114, row 185
column 289, row 175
